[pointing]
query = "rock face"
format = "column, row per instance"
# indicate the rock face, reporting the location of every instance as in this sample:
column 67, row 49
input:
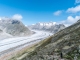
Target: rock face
column 14, row 27
column 66, row 41
column 50, row 27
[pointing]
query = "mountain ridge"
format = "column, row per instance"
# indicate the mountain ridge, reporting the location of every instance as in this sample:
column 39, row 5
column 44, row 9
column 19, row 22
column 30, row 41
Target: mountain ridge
column 52, row 27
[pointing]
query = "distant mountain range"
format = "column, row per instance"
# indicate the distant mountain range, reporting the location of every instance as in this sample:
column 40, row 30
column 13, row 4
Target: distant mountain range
column 52, row 27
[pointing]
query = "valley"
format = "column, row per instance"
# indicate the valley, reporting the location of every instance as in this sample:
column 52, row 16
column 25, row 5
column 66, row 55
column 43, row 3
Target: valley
column 17, row 43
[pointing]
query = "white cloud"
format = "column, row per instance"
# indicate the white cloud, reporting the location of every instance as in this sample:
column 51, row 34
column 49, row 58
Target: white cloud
column 57, row 13
column 70, row 20
column 4, row 18
column 17, row 17
column 77, row 1
column 0, row 18
column 74, row 9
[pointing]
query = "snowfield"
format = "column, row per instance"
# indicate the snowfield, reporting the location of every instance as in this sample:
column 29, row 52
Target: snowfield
column 20, row 42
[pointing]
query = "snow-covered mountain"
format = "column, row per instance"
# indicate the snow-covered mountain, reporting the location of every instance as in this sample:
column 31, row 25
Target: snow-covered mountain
column 14, row 27
column 50, row 26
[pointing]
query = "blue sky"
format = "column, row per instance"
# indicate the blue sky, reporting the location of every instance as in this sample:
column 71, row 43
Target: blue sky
column 33, row 11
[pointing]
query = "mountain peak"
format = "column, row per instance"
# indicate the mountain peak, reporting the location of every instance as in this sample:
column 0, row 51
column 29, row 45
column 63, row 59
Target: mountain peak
column 47, row 26
column 46, row 23
column 14, row 27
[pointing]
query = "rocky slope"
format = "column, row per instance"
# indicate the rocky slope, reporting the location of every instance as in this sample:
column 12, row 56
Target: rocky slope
column 65, row 43
column 14, row 27
column 50, row 27
column 4, row 35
